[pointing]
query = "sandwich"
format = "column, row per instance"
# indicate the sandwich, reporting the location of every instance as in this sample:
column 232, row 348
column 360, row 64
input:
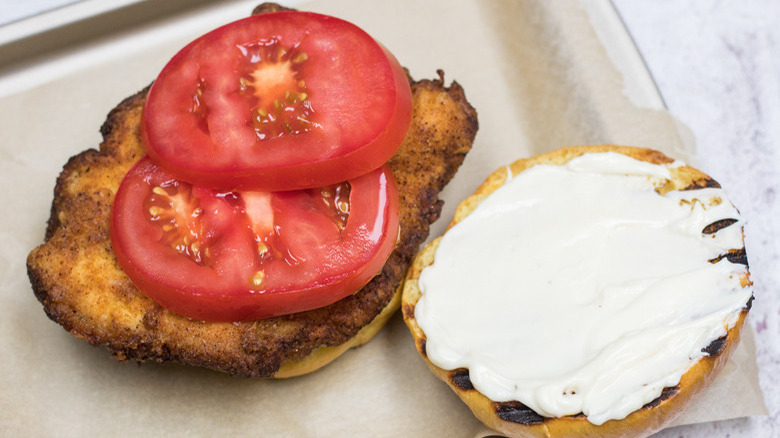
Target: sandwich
column 82, row 286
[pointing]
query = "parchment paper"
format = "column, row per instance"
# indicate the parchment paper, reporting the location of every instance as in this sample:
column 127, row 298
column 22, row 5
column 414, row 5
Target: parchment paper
column 540, row 79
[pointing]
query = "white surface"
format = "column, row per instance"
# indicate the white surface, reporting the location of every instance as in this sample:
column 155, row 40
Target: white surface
column 26, row 18
column 13, row 10
column 717, row 67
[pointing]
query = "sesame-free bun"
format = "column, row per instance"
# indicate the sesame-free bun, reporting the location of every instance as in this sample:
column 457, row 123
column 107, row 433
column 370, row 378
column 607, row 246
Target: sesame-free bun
column 515, row 419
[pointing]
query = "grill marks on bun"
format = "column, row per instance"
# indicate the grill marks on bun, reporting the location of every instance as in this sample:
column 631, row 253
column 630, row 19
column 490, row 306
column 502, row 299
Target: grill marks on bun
column 513, row 418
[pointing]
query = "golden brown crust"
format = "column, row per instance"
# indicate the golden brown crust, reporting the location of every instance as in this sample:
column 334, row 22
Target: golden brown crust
column 513, row 418
column 269, row 7
column 77, row 279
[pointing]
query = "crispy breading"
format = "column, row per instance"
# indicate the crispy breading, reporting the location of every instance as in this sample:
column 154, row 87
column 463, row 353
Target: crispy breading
column 76, row 277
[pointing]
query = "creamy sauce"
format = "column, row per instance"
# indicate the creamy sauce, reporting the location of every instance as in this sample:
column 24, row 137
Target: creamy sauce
column 578, row 288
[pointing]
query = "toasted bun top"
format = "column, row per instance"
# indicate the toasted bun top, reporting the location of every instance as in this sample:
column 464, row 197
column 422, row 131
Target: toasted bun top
column 515, row 419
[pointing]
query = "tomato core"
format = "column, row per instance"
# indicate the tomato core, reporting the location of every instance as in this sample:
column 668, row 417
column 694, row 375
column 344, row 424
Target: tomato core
column 279, row 102
column 172, row 209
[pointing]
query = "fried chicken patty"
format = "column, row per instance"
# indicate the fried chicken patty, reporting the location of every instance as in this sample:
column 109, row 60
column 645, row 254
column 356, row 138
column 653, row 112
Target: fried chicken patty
column 75, row 274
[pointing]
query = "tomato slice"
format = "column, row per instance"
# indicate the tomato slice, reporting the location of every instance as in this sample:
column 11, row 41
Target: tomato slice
column 277, row 101
column 236, row 256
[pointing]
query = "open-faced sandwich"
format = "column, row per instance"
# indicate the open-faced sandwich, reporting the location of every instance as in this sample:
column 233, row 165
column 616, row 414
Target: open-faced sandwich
column 586, row 292
column 255, row 210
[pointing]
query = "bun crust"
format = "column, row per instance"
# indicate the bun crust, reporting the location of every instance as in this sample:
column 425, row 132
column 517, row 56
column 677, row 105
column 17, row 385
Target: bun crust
column 513, row 418
column 324, row 355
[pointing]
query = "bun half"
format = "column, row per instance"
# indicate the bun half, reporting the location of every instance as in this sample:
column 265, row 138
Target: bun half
column 515, row 419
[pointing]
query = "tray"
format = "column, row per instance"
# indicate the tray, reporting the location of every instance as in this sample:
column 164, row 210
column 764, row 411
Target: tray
column 550, row 74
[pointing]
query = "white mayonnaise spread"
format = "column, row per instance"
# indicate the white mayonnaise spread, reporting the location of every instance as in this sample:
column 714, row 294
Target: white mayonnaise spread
column 578, row 288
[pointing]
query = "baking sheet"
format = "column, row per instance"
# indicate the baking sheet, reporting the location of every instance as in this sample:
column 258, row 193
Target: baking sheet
column 541, row 77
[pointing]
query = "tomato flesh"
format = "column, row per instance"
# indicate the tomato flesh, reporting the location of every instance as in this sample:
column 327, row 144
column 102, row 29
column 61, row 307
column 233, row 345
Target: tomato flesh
column 279, row 101
column 234, row 256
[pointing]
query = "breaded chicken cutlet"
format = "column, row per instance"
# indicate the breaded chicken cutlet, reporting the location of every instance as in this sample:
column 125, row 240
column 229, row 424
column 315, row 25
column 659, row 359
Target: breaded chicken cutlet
column 75, row 274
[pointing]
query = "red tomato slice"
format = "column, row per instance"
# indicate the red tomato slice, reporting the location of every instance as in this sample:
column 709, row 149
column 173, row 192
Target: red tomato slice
column 236, row 256
column 277, row 101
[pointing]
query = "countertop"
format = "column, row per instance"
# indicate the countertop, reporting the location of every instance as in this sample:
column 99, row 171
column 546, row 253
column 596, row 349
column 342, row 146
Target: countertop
column 717, row 68
column 713, row 63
